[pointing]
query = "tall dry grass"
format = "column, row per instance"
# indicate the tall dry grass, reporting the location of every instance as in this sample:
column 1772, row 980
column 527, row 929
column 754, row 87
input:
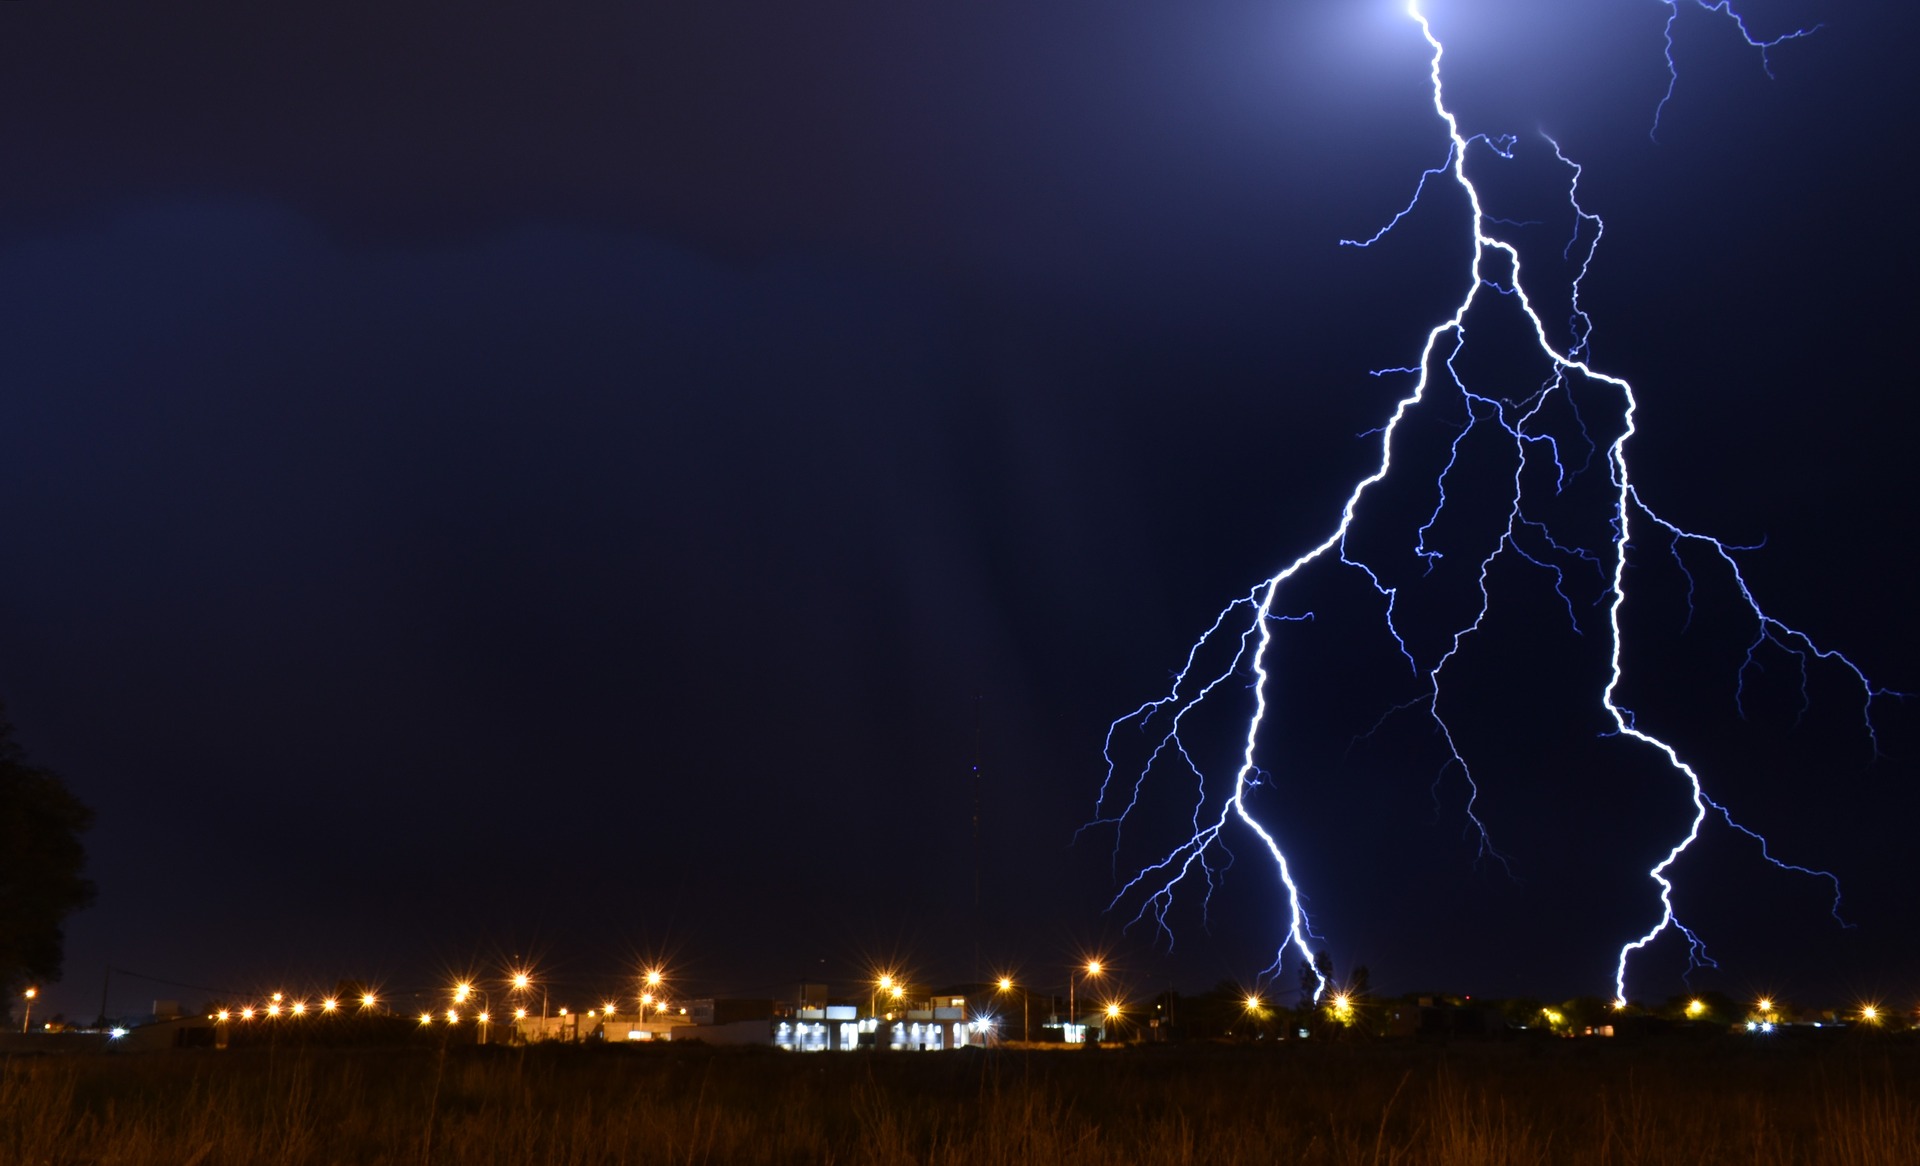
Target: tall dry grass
column 1487, row 1106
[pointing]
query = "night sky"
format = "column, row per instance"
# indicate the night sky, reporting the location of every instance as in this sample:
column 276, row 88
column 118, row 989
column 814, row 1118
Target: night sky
column 483, row 479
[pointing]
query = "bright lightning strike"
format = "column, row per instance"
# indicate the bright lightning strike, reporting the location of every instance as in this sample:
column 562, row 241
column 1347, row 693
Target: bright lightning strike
column 1542, row 431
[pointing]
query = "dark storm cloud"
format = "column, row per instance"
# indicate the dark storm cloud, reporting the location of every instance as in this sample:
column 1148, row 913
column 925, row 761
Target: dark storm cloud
column 1044, row 140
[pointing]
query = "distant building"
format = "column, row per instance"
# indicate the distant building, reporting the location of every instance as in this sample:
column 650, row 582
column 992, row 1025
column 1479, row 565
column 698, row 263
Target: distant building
column 574, row 1027
column 814, row 1023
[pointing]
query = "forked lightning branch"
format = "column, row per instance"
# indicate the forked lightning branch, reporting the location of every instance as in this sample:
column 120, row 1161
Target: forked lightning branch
column 1534, row 430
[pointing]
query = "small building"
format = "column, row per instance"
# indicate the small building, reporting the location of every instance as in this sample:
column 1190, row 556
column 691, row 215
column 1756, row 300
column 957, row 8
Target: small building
column 815, row 1023
column 942, row 1022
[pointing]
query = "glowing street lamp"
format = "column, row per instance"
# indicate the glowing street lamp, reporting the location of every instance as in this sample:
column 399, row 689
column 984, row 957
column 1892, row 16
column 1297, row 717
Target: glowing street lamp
column 521, row 980
column 652, row 996
column 884, row 983
column 426, row 1018
column 329, row 1005
column 519, row 983
column 1093, row 968
column 1696, row 1009
column 368, row 1000
column 30, row 995
column 1341, row 1006
column 1006, row 985
column 461, row 991
column 1255, row 1008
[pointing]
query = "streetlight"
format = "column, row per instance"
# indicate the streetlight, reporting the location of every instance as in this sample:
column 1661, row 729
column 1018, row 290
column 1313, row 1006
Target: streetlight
column 1006, row 985
column 1255, row 1009
column 28, row 1022
column 884, row 983
column 1112, row 1013
column 1341, row 1006
column 519, row 983
column 1093, row 968
column 652, row 979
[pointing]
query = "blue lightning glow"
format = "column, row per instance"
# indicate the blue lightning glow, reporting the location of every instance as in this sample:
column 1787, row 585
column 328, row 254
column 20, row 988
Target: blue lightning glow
column 1538, row 456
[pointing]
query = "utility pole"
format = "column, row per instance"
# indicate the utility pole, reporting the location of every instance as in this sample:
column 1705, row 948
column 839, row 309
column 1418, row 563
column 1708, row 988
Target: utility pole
column 978, row 922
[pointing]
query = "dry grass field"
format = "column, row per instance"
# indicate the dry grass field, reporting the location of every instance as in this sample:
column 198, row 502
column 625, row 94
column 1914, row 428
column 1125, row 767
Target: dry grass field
column 1559, row 1102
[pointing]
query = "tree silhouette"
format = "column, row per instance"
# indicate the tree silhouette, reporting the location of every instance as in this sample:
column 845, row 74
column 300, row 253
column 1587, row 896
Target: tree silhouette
column 41, row 859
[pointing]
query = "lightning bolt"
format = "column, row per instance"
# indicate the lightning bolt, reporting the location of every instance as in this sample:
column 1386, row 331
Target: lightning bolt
column 1233, row 653
column 1723, row 8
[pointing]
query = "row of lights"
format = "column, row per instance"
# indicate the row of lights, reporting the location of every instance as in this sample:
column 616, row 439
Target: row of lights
column 279, row 1005
column 1765, row 1018
column 1768, row 1013
column 463, row 992
column 1340, row 1004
